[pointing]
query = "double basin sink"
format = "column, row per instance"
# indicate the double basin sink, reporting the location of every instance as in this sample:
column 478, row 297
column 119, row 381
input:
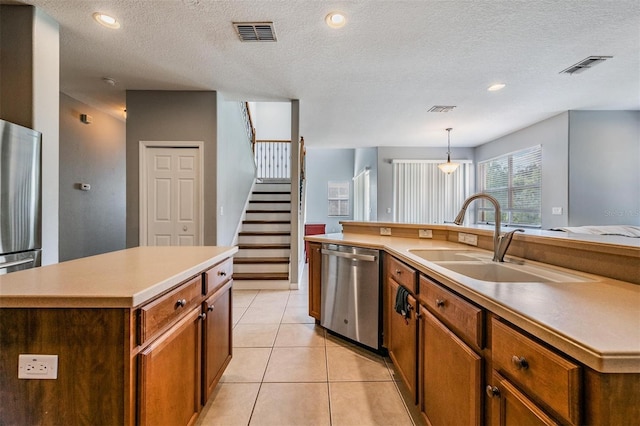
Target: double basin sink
column 479, row 266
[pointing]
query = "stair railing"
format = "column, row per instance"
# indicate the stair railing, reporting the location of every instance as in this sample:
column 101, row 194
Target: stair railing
column 273, row 159
column 248, row 122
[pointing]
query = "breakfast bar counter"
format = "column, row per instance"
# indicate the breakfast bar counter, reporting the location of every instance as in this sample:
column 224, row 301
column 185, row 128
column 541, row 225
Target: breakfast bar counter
column 595, row 319
column 119, row 279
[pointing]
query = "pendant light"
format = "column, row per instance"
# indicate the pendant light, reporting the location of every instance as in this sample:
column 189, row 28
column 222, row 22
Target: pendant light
column 448, row 167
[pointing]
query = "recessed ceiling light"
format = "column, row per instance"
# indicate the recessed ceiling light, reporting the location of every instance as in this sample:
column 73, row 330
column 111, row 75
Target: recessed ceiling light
column 106, row 20
column 496, row 87
column 335, row 20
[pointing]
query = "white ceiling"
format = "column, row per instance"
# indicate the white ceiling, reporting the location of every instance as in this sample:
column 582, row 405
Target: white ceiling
column 371, row 82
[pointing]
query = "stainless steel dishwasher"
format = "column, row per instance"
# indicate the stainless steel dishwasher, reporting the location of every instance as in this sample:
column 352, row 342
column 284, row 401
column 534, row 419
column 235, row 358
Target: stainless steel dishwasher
column 350, row 299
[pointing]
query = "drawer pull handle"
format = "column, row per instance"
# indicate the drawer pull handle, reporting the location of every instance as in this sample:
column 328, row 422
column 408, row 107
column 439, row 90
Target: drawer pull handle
column 519, row 362
column 202, row 316
column 210, row 308
column 492, row 391
column 398, row 272
column 439, row 303
column 181, row 303
column 222, row 273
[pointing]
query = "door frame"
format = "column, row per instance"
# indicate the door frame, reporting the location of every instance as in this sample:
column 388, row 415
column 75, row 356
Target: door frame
column 142, row 199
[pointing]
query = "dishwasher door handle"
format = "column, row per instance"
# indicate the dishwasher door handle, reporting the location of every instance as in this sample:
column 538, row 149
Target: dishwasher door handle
column 365, row 257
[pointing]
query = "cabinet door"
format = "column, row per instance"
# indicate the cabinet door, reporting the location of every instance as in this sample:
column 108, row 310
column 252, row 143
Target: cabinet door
column 315, row 270
column 402, row 341
column 217, row 343
column 450, row 376
column 169, row 375
column 510, row 407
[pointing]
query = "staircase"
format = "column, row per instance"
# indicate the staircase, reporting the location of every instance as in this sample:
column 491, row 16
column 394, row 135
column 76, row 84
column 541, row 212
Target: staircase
column 264, row 241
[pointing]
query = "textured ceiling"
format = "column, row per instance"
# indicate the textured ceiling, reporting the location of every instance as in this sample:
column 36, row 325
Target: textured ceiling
column 371, row 82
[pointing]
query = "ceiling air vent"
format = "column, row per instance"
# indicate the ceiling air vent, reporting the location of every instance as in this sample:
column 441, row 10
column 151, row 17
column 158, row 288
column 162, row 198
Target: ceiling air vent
column 585, row 64
column 255, row 31
column 442, row 108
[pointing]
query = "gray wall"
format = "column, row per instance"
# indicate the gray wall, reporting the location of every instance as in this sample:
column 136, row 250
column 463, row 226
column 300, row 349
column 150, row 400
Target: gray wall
column 236, row 169
column 91, row 222
column 553, row 135
column 604, row 168
column 385, row 175
column 16, row 64
column 368, row 157
column 171, row 116
column 324, row 165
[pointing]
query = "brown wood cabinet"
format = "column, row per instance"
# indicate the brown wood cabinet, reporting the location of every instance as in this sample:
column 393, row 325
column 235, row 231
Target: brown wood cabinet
column 169, row 372
column 315, row 279
column 402, row 339
column 312, row 229
column 450, row 375
column 512, row 407
column 546, row 377
column 217, row 342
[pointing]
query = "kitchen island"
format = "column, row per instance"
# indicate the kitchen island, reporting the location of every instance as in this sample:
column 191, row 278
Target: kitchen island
column 564, row 351
column 141, row 336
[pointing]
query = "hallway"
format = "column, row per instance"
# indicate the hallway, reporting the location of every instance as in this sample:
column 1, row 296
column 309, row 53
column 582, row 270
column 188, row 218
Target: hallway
column 287, row 371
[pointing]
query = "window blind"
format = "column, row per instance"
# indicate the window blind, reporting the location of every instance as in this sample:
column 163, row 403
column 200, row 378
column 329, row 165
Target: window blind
column 423, row 194
column 515, row 181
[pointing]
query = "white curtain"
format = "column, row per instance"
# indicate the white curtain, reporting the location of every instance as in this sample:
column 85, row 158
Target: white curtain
column 361, row 200
column 422, row 193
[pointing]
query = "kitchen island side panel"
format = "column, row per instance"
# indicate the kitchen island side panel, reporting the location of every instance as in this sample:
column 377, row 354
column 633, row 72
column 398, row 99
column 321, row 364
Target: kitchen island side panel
column 93, row 357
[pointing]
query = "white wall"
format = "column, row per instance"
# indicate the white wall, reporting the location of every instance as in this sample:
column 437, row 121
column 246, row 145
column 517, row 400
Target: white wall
column 272, row 120
column 236, row 170
column 46, row 119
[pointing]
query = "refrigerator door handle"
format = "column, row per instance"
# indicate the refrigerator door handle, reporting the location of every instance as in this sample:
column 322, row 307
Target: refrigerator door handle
column 16, row 263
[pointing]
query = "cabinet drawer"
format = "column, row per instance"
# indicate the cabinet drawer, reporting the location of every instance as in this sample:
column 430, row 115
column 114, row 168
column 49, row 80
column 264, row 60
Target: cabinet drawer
column 218, row 275
column 544, row 375
column 163, row 311
column 464, row 318
column 403, row 274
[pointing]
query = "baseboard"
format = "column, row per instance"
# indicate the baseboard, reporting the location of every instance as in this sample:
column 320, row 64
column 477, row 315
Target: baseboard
column 261, row 284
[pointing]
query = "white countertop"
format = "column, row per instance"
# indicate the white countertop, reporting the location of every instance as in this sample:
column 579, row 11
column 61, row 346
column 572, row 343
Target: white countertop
column 120, row 279
column 597, row 322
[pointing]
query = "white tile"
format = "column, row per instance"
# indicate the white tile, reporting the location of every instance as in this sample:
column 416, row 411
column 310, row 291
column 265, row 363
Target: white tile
column 247, row 365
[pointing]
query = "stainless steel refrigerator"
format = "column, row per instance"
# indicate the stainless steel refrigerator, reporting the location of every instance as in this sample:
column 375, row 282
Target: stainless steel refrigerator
column 20, row 197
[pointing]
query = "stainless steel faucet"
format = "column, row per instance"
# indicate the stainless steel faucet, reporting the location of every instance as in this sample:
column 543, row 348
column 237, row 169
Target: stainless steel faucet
column 500, row 241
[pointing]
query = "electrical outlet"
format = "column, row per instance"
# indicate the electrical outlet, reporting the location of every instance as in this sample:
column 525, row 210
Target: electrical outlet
column 556, row 210
column 425, row 233
column 385, row 231
column 37, row 366
column 470, row 239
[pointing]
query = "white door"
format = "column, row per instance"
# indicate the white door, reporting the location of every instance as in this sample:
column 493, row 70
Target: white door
column 173, row 202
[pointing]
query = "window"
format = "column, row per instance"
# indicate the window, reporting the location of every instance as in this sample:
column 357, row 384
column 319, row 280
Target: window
column 423, row 194
column 515, row 181
column 339, row 198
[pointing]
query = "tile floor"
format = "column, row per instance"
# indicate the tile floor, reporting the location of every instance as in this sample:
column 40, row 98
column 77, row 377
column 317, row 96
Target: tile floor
column 287, row 371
